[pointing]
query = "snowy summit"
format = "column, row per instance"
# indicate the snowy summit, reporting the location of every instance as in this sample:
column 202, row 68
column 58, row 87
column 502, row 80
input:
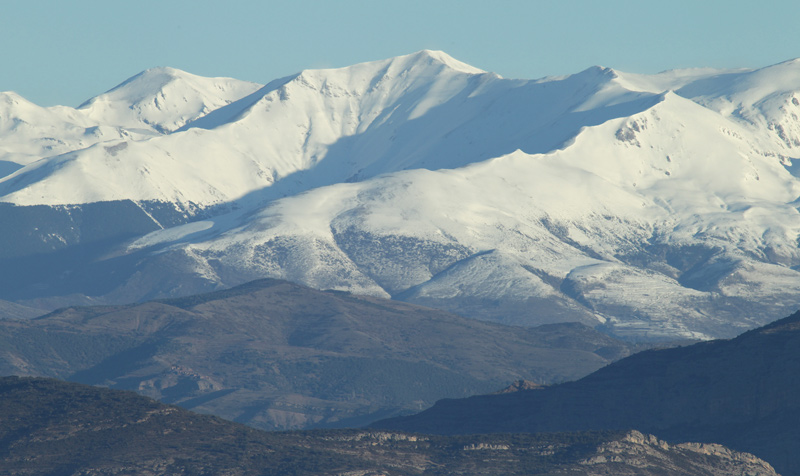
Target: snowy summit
column 652, row 206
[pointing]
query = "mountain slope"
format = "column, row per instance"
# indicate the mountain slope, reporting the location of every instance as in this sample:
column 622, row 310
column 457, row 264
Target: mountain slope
column 277, row 355
column 100, row 431
column 151, row 103
column 31, row 132
column 739, row 393
column 687, row 235
column 162, row 100
column 767, row 100
column 422, row 110
column 10, row 310
column 654, row 207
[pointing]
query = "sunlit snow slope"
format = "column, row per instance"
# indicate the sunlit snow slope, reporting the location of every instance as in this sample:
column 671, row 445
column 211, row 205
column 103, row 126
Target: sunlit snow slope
column 153, row 102
column 654, row 206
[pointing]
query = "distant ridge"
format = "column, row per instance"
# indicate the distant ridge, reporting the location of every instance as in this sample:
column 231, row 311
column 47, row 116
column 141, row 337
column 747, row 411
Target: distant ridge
column 51, row 427
column 739, row 392
column 163, row 99
column 277, row 355
column 653, row 207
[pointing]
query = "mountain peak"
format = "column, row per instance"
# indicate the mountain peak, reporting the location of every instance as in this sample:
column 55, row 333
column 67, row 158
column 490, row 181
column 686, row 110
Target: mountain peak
column 445, row 59
column 593, row 144
column 11, row 97
column 421, row 61
column 792, row 62
column 163, row 99
column 599, row 72
column 140, row 85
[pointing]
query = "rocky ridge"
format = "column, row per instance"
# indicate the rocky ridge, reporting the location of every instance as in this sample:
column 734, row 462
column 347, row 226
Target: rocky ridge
column 738, row 392
column 51, row 427
column 636, row 450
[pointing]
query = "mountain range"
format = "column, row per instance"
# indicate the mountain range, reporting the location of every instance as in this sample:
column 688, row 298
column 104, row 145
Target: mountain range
column 740, row 393
column 277, row 355
column 52, row 427
column 649, row 206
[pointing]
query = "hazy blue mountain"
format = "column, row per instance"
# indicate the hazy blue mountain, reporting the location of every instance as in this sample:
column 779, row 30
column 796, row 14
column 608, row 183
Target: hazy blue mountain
column 739, row 392
column 278, row 355
column 51, row 427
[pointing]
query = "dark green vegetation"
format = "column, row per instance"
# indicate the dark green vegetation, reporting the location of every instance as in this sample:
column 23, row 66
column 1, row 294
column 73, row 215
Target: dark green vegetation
column 277, row 355
column 49, row 427
column 742, row 393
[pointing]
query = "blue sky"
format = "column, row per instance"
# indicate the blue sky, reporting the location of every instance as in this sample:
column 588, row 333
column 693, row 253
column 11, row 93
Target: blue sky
column 63, row 52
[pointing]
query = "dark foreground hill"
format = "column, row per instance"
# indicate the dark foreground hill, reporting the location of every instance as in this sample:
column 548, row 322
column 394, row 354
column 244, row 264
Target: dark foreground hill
column 277, row 355
column 51, row 427
column 742, row 393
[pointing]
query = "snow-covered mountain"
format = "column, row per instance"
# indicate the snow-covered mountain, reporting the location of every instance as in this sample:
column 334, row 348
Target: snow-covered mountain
column 162, row 100
column 30, row 132
column 654, row 206
column 154, row 102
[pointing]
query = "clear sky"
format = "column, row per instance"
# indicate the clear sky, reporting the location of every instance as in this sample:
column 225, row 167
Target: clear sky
column 66, row 51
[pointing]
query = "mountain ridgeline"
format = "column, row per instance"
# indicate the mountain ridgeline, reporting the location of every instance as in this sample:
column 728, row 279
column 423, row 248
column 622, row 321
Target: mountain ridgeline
column 52, row 427
column 741, row 393
column 654, row 207
column 277, row 355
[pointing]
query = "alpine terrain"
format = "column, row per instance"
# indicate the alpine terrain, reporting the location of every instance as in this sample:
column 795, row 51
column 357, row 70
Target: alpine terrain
column 650, row 206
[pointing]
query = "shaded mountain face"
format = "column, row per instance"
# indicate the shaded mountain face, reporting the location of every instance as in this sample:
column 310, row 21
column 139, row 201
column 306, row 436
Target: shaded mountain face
column 655, row 207
column 277, row 355
column 53, row 427
column 741, row 393
column 9, row 310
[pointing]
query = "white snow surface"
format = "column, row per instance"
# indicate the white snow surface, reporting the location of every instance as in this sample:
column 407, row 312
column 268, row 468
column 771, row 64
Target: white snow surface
column 164, row 99
column 152, row 103
column 657, row 206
